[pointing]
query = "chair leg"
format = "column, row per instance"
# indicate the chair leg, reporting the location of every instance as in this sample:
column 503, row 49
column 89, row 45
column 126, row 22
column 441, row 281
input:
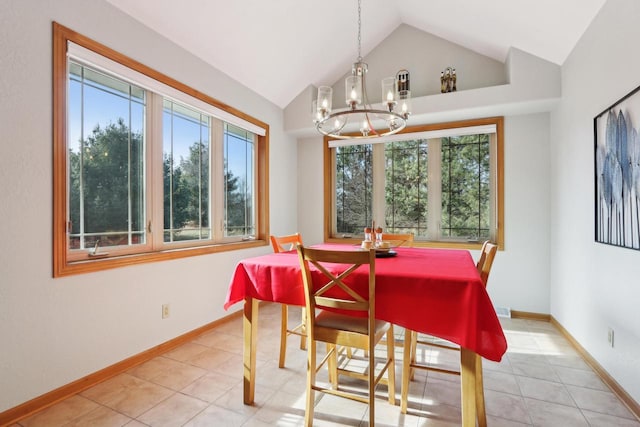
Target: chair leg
column 311, row 382
column 332, row 365
column 406, row 369
column 372, row 387
column 283, row 335
column 303, row 338
column 414, row 353
column 391, row 370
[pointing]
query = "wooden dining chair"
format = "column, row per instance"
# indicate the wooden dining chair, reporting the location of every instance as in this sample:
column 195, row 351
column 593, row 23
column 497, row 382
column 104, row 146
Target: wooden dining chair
column 284, row 244
column 409, row 363
column 329, row 285
column 398, row 239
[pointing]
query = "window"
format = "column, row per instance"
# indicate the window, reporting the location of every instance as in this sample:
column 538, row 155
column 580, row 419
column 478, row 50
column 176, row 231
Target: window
column 239, row 214
column 106, row 161
column 354, row 183
column 443, row 183
column 186, row 177
column 146, row 168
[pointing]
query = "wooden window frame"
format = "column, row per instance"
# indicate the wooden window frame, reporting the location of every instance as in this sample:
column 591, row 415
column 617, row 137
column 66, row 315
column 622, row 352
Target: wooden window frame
column 62, row 264
column 497, row 161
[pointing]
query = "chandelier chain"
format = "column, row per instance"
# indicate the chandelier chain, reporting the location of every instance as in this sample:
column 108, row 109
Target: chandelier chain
column 359, row 32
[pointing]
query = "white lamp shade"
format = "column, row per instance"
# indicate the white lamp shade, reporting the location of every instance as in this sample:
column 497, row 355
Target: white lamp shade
column 325, row 96
column 353, row 90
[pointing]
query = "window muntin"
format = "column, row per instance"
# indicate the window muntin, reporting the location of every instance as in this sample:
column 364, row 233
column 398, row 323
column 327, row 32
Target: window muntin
column 106, row 161
column 76, row 57
column 441, row 182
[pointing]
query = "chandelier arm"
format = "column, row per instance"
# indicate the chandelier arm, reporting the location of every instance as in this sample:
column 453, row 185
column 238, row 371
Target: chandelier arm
column 399, row 119
column 365, row 96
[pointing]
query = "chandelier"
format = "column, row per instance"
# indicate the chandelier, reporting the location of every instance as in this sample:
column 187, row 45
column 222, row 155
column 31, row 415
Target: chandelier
column 359, row 114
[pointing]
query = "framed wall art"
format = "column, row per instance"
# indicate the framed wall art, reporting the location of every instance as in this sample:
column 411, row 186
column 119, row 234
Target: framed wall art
column 617, row 173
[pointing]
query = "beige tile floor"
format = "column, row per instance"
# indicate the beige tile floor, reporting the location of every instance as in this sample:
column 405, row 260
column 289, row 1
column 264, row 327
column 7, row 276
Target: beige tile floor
column 541, row 381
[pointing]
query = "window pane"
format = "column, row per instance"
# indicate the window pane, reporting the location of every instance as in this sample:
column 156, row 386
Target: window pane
column 239, row 209
column 185, row 173
column 354, row 183
column 406, row 187
column 106, row 160
column 465, row 187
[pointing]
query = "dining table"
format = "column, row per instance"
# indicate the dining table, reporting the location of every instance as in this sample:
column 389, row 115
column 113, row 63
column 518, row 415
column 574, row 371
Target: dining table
column 433, row 291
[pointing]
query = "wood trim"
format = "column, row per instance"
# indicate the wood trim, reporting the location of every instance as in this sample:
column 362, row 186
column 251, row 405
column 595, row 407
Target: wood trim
column 530, row 316
column 498, row 121
column 46, row 400
column 92, row 265
column 328, row 186
column 615, row 387
column 500, row 177
column 62, row 265
column 59, row 148
column 262, row 188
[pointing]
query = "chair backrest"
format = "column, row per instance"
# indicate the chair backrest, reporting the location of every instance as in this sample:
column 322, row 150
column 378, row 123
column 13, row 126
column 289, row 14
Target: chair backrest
column 487, row 254
column 399, row 239
column 330, row 290
column 279, row 243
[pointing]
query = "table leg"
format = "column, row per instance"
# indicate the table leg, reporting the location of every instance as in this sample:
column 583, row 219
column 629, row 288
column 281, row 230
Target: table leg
column 472, row 389
column 250, row 335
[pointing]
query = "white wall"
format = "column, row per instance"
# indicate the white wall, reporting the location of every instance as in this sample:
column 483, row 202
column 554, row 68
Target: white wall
column 594, row 286
column 520, row 274
column 53, row 332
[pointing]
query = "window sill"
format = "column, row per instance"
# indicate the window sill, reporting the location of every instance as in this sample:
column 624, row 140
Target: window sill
column 442, row 244
column 63, row 267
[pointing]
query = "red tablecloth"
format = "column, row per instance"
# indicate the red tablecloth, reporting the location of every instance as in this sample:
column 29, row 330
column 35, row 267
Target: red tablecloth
column 434, row 291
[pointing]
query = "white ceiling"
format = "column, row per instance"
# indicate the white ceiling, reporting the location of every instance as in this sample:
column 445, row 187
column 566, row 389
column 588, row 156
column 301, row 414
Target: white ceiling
column 278, row 47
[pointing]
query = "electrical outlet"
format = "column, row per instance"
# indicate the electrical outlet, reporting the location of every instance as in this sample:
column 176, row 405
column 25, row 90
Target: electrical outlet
column 610, row 337
column 165, row 311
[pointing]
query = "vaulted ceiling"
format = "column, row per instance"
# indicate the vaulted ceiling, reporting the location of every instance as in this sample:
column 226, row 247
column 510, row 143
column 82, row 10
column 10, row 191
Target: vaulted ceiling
column 278, row 47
